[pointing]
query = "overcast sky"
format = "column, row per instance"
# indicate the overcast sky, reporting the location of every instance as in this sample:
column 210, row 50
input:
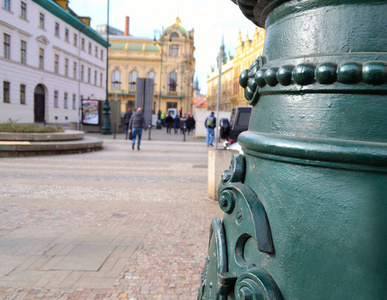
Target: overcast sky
column 210, row 19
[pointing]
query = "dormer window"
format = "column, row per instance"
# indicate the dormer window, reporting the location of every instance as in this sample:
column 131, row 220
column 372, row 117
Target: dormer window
column 174, row 35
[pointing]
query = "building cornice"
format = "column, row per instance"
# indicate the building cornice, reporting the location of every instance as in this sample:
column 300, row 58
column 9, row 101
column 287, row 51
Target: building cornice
column 24, row 32
column 65, row 16
column 7, row 25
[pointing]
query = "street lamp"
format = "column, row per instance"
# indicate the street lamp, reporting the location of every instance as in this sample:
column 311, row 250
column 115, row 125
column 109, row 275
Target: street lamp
column 114, row 87
column 161, row 44
column 106, row 124
column 221, row 54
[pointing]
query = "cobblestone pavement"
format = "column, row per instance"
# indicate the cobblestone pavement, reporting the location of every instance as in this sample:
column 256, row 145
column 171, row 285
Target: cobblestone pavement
column 112, row 224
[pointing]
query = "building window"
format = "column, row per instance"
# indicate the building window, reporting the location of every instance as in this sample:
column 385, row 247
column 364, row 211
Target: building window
column 74, row 101
column 7, row 4
column 41, row 58
column 66, row 67
column 22, row 94
column 89, row 48
column 132, row 80
column 100, row 79
column 23, row 10
column 174, row 35
column 152, row 75
column 88, row 75
column 56, row 64
column 57, row 29
column 171, row 105
column 56, row 102
column 95, row 77
column 83, row 44
column 116, row 80
column 7, row 46
column 6, row 85
column 172, row 82
column 82, row 72
column 174, row 50
column 75, row 70
column 23, row 52
column 101, row 54
column 67, row 35
column 41, row 21
column 75, row 40
column 65, row 100
column 96, row 52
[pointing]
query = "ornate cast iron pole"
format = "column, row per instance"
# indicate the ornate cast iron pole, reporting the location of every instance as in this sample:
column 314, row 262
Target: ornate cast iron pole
column 106, row 123
column 305, row 206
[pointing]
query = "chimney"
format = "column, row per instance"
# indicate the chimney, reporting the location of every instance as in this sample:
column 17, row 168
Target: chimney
column 126, row 33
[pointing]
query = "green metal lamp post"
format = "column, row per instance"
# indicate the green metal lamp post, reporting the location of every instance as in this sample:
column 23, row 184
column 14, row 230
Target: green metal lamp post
column 305, row 206
column 106, row 123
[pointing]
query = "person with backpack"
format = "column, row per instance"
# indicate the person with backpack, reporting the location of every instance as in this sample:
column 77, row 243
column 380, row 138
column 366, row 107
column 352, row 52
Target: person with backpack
column 210, row 124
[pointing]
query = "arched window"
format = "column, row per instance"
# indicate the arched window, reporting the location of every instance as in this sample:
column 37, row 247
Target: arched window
column 152, row 75
column 174, row 35
column 116, row 80
column 172, row 82
column 132, row 80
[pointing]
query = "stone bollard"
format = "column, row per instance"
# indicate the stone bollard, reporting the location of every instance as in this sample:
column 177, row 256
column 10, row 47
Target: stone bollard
column 305, row 207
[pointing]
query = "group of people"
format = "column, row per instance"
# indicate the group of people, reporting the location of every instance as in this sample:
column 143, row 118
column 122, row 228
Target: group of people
column 135, row 124
column 183, row 124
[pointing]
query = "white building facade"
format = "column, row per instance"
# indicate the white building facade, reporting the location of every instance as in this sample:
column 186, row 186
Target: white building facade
column 50, row 60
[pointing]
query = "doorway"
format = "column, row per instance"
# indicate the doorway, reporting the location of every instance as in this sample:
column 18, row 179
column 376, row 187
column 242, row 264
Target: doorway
column 39, row 104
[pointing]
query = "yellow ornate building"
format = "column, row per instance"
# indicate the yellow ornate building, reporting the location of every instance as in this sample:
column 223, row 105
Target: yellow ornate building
column 169, row 61
column 231, row 92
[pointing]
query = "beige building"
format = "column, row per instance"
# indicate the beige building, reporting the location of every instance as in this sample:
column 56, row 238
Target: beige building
column 231, row 92
column 226, row 87
column 169, row 61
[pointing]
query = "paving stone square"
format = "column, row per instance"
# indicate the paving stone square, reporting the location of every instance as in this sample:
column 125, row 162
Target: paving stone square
column 112, row 224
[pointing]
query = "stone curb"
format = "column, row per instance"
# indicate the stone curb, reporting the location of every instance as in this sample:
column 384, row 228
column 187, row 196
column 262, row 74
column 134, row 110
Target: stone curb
column 26, row 148
column 67, row 135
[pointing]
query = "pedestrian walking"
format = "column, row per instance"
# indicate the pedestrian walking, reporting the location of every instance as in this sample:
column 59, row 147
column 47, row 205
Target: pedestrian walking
column 183, row 123
column 136, row 125
column 127, row 117
column 190, row 123
column 162, row 118
column 169, row 123
column 210, row 124
column 176, row 123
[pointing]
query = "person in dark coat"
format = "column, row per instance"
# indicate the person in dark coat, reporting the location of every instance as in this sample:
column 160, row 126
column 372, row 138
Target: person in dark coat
column 136, row 125
column 169, row 123
column 183, row 124
column 127, row 117
column 190, row 123
column 176, row 123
